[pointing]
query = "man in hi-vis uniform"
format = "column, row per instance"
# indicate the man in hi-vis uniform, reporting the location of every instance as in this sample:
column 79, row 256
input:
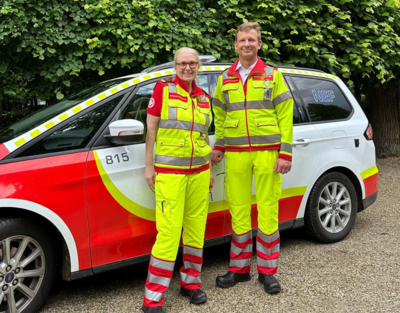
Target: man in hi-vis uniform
column 254, row 130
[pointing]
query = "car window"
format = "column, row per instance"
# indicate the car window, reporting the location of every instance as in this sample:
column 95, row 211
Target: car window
column 323, row 99
column 137, row 106
column 36, row 118
column 76, row 134
column 202, row 82
column 296, row 115
column 213, row 83
column 213, row 80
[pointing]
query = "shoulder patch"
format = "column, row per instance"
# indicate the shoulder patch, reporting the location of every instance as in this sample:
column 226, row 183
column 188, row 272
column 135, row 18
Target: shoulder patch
column 151, row 103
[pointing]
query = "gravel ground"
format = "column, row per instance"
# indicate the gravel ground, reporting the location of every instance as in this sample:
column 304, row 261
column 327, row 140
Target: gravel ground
column 358, row 274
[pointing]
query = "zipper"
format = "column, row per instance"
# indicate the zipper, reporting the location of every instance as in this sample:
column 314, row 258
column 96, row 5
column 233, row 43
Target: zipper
column 191, row 134
column 245, row 111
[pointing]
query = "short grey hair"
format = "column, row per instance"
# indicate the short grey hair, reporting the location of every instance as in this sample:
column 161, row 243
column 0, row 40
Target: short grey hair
column 187, row 49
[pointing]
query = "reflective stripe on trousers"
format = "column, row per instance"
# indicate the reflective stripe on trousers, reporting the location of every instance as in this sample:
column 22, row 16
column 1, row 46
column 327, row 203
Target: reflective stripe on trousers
column 190, row 272
column 268, row 247
column 158, row 279
column 241, row 252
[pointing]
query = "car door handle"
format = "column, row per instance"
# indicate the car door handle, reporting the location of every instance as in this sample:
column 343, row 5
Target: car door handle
column 301, row 142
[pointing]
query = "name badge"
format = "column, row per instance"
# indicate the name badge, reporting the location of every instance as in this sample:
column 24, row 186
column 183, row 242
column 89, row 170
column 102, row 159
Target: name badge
column 268, row 87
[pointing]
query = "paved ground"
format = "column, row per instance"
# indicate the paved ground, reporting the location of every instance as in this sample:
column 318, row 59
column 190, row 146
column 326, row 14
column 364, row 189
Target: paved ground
column 359, row 274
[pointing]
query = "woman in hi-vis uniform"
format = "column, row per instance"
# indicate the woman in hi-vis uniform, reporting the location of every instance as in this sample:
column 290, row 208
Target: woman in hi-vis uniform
column 178, row 118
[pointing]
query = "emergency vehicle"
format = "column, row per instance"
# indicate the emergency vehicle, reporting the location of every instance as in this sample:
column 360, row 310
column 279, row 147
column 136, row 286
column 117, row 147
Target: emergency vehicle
column 73, row 198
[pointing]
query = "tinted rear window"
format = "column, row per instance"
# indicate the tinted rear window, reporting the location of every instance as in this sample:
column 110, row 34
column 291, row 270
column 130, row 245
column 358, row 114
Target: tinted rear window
column 323, row 99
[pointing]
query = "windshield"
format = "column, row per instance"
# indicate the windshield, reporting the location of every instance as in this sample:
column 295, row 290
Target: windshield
column 37, row 118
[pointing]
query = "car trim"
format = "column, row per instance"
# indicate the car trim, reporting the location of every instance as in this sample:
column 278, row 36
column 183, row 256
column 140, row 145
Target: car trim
column 13, row 156
column 369, row 200
column 53, row 218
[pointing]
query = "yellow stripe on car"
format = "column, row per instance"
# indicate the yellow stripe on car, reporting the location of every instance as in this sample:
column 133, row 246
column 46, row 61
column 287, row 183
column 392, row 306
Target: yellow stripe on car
column 369, row 172
column 77, row 109
column 293, row 192
column 20, row 142
column 63, row 117
column 35, row 133
column 124, row 201
column 49, row 124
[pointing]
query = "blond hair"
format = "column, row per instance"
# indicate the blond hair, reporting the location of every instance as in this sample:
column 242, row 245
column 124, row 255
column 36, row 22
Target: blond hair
column 248, row 26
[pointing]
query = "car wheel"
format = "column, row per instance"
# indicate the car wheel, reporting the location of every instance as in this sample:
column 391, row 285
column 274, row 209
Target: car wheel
column 331, row 208
column 27, row 265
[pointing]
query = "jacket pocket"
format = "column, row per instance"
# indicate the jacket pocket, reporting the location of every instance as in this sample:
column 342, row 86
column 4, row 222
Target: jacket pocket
column 172, row 141
column 204, row 110
column 178, row 104
column 231, row 123
column 170, row 147
column 265, row 121
column 258, row 84
column 201, row 143
column 203, row 150
column 230, row 87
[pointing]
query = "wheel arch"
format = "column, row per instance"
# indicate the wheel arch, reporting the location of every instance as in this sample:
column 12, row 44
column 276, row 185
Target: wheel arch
column 356, row 180
column 24, row 208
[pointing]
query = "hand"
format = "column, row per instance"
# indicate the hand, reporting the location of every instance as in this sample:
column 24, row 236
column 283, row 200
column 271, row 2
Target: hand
column 282, row 166
column 216, row 157
column 150, row 175
column 212, row 181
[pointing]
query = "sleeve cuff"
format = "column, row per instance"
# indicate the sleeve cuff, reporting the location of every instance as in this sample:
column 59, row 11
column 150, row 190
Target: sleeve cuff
column 219, row 148
column 285, row 157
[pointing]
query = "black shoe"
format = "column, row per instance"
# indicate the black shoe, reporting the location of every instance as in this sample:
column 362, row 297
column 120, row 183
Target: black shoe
column 155, row 309
column 230, row 279
column 271, row 285
column 196, row 295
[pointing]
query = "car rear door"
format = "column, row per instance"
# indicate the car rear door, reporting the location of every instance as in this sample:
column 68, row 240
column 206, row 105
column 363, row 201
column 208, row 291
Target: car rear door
column 307, row 148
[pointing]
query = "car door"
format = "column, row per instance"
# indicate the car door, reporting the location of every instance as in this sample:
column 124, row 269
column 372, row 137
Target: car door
column 307, row 148
column 47, row 174
column 121, row 205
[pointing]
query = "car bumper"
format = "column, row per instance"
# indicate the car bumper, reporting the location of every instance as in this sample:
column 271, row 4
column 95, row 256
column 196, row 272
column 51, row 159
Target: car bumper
column 369, row 201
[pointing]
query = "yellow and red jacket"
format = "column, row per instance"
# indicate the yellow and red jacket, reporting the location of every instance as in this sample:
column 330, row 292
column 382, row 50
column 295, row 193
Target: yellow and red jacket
column 180, row 145
column 256, row 116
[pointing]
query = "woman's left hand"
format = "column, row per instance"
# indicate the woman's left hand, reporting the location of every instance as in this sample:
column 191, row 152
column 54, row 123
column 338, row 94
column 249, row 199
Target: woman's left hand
column 212, row 180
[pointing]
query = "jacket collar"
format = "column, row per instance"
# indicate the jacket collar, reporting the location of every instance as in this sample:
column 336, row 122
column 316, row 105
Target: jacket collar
column 258, row 69
column 196, row 91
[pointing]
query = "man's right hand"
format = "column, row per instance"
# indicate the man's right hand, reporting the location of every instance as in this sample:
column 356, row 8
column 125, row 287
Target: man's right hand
column 216, row 157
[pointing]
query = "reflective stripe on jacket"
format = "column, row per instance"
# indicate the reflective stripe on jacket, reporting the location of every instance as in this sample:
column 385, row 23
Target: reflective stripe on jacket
column 183, row 127
column 256, row 116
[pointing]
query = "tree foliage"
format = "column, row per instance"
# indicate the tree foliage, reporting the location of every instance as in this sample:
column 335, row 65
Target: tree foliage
column 54, row 43
column 49, row 47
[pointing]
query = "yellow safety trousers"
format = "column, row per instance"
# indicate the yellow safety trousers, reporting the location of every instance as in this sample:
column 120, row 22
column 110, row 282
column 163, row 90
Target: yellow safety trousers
column 240, row 167
column 181, row 201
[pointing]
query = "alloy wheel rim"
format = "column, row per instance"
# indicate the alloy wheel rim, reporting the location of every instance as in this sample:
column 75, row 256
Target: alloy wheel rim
column 22, row 269
column 334, row 207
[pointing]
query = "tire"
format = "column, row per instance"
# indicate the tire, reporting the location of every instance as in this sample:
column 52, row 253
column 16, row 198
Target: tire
column 27, row 265
column 331, row 208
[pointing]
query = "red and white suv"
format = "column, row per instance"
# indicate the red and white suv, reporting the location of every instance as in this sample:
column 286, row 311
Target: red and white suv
column 74, row 195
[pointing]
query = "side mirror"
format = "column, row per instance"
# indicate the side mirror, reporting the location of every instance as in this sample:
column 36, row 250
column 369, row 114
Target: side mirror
column 125, row 132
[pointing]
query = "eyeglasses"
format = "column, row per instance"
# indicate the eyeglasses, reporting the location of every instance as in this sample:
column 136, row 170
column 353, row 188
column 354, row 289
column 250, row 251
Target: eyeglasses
column 183, row 65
